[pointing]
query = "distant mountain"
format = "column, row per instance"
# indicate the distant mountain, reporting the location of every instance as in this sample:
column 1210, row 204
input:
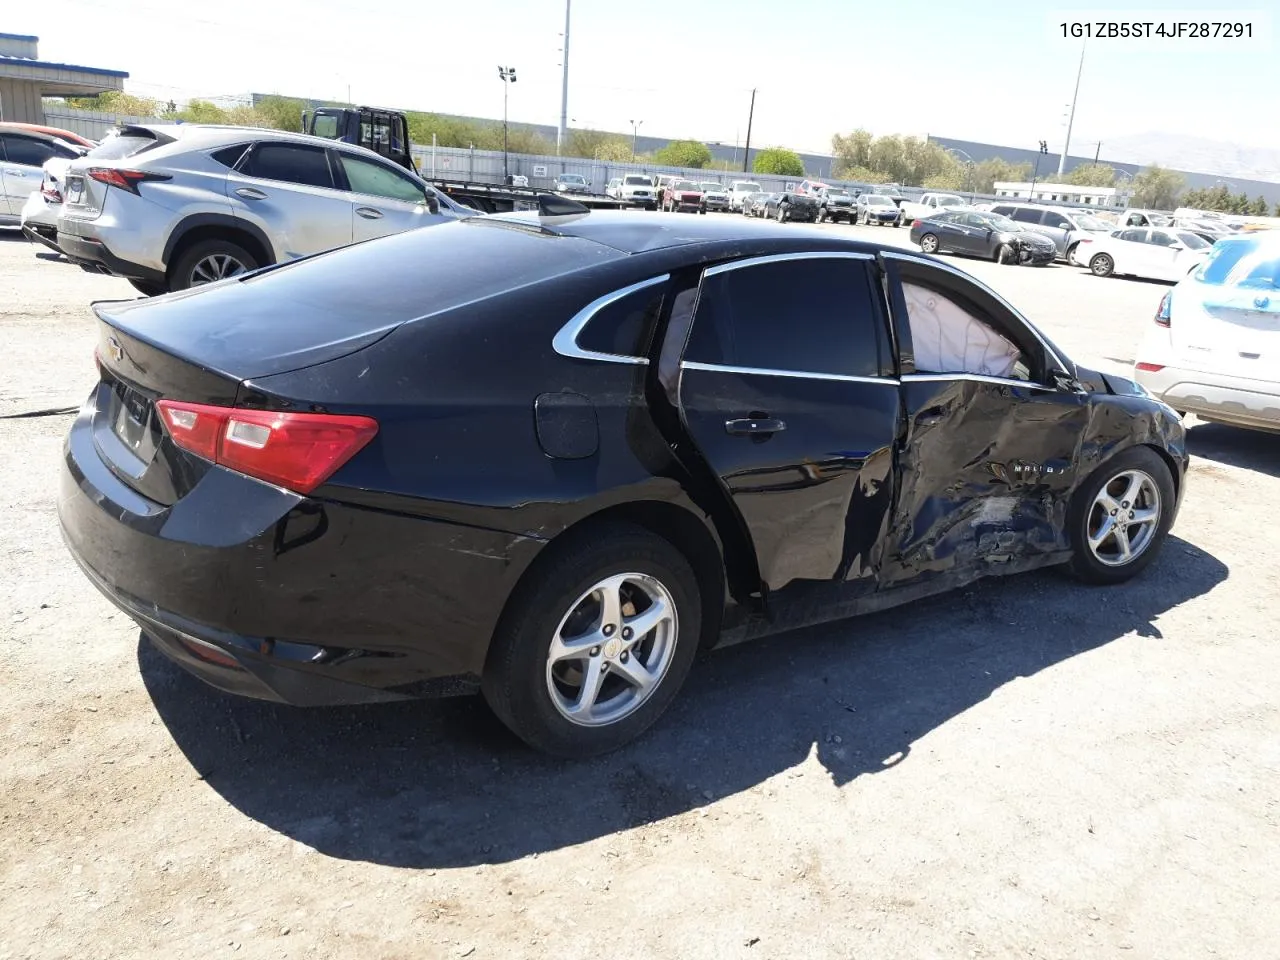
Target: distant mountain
column 1198, row 154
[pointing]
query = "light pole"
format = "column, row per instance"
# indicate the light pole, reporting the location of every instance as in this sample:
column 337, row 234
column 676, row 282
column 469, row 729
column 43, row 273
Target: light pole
column 1071, row 118
column 1044, row 150
column 508, row 75
column 969, row 163
column 635, row 127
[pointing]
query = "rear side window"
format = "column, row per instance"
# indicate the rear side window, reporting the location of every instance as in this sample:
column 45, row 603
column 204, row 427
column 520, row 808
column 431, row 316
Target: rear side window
column 1133, row 236
column 623, row 327
column 291, row 163
column 27, row 151
column 812, row 315
column 1026, row 214
column 229, row 156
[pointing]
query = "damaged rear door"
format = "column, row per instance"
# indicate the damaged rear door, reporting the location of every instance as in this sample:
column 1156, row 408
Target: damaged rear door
column 782, row 377
column 994, row 424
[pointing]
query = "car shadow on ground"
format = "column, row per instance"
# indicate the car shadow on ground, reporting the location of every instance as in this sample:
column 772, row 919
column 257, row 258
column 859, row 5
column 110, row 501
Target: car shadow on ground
column 1256, row 450
column 442, row 784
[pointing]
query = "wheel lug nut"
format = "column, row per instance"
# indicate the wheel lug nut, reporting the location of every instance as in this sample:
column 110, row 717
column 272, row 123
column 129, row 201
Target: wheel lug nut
column 626, row 633
column 623, row 658
column 595, row 651
column 608, row 629
column 1113, row 512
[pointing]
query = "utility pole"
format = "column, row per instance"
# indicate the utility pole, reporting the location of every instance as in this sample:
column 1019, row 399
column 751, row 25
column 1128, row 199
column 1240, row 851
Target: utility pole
column 562, row 130
column 746, row 153
column 1097, row 153
column 1072, row 117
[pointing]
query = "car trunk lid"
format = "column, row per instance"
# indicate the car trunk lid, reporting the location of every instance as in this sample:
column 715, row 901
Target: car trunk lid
column 1230, row 330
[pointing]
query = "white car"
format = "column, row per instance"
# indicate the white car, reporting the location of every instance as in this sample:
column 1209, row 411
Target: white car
column 637, row 189
column 1214, row 348
column 1157, row 253
column 740, row 190
column 715, row 196
column 40, row 212
column 930, row 204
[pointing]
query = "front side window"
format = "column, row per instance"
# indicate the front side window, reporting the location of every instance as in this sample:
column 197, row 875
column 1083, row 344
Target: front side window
column 799, row 315
column 379, row 180
column 1161, row 238
column 1026, row 214
column 1052, row 219
column 950, row 337
column 290, row 163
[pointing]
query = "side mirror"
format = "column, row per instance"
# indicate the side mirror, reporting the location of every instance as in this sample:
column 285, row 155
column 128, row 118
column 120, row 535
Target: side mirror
column 1066, row 382
column 433, row 203
column 1176, row 246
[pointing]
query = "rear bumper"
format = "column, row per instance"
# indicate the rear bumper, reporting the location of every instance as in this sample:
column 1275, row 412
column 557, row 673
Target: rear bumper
column 41, row 234
column 94, row 255
column 269, row 594
column 1234, row 400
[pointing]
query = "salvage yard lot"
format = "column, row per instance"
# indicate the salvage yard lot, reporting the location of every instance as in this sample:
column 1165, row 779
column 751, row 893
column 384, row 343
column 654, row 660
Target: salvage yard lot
column 1025, row 768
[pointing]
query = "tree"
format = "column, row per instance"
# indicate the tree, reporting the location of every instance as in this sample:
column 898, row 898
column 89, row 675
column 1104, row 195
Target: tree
column 852, row 151
column 585, row 143
column 954, row 180
column 117, row 101
column 1259, row 207
column 684, row 153
column 778, row 161
column 1092, row 175
column 201, row 111
column 281, row 113
column 997, row 169
column 1157, row 188
column 616, row 149
column 857, row 174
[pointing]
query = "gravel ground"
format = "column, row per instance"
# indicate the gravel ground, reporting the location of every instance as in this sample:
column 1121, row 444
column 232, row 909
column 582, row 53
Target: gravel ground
column 1027, row 768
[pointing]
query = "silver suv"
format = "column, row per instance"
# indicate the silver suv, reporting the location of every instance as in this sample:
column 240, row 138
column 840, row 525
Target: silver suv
column 172, row 206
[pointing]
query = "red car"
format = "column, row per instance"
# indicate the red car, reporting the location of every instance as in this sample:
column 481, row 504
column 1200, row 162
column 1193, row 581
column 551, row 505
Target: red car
column 682, row 195
column 58, row 132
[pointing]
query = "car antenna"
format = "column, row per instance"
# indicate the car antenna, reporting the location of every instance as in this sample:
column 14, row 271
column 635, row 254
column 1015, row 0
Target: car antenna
column 554, row 205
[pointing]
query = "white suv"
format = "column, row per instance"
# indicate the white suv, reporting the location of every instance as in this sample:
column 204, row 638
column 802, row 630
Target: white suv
column 172, row 206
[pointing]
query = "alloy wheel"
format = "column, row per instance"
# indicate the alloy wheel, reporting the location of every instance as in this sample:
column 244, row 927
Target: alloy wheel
column 612, row 649
column 1124, row 518
column 216, row 266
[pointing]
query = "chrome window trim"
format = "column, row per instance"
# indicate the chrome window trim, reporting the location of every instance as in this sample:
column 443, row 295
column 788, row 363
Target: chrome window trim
column 977, row 378
column 565, row 341
column 765, row 372
column 985, row 289
column 782, row 257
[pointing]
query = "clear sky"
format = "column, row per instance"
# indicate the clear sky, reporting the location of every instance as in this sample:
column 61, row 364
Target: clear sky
column 978, row 70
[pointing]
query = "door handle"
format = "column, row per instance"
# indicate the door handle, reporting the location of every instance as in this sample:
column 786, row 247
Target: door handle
column 249, row 193
column 926, row 418
column 753, row 427
column 369, row 213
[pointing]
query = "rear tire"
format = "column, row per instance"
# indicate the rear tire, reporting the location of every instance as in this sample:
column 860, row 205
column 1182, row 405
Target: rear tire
column 535, row 695
column 209, row 261
column 148, row 289
column 1110, row 541
column 929, row 243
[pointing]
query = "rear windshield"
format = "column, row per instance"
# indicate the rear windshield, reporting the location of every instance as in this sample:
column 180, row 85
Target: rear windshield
column 125, row 145
column 1242, row 263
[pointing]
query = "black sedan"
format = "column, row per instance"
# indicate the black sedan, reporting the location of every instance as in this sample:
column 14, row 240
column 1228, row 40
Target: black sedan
column 553, row 457
column 791, row 206
column 878, row 209
column 987, row 235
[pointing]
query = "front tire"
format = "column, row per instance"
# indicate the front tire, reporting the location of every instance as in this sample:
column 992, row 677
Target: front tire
column 1120, row 516
column 781, row 214
column 596, row 643
column 1102, row 265
column 1004, row 254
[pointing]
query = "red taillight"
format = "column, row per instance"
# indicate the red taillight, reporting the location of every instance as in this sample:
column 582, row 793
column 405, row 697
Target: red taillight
column 1150, row 367
column 51, row 194
column 298, row 451
column 124, row 179
column 1163, row 318
column 915, row 223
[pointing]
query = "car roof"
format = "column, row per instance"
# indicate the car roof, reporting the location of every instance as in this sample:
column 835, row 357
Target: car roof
column 634, row 234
